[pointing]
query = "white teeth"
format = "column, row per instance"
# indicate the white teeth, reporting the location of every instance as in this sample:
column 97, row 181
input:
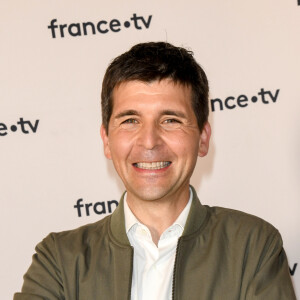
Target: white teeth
column 152, row 165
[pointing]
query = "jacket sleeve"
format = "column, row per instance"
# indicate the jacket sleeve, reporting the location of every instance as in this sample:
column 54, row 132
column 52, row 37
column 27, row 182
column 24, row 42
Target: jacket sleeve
column 272, row 279
column 43, row 279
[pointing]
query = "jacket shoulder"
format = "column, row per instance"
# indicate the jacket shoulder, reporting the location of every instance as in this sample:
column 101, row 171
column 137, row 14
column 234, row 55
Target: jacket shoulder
column 237, row 216
column 76, row 240
column 237, row 223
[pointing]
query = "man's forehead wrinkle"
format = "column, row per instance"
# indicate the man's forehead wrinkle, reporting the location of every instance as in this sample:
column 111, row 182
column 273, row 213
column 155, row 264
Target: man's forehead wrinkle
column 148, row 84
column 147, row 92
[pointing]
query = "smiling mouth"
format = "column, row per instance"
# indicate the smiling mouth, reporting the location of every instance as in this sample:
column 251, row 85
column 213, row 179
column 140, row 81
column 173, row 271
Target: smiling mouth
column 152, row 165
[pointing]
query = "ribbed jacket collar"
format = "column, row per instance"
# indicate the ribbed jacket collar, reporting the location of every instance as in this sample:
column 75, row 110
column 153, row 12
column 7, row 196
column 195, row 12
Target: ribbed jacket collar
column 195, row 219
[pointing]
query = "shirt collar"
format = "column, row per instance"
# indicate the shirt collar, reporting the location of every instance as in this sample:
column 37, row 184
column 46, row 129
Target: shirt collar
column 131, row 220
column 181, row 220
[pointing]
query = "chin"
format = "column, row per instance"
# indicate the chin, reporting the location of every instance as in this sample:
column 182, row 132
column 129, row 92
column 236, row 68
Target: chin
column 150, row 193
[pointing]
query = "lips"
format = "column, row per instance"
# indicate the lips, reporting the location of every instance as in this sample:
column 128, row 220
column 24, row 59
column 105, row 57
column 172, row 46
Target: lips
column 152, row 165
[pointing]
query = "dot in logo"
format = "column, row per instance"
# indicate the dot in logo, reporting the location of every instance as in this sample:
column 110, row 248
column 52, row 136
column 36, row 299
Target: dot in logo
column 13, row 128
column 127, row 24
column 254, row 99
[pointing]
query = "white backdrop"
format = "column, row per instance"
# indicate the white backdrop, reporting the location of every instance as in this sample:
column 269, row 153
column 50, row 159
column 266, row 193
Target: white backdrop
column 50, row 149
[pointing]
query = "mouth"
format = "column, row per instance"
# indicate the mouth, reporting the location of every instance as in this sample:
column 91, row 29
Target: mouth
column 157, row 165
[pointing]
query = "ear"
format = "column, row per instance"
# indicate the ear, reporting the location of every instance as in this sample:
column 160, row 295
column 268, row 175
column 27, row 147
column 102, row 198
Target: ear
column 204, row 140
column 104, row 137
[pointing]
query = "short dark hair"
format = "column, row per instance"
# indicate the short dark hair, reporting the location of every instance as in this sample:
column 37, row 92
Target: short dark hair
column 153, row 61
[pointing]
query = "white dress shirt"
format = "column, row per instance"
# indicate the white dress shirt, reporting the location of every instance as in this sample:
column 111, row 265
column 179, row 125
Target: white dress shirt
column 153, row 266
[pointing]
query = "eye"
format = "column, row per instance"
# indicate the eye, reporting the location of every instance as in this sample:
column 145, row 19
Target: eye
column 171, row 124
column 170, row 121
column 130, row 121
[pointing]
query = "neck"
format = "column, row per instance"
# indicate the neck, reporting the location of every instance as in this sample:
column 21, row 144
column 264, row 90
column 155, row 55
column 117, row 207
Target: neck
column 158, row 214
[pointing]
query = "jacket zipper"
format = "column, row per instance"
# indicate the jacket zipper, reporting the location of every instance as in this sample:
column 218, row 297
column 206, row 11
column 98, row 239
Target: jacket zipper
column 130, row 275
column 174, row 271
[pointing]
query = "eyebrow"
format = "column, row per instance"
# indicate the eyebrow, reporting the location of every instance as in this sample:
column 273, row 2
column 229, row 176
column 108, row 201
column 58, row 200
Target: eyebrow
column 175, row 113
column 129, row 112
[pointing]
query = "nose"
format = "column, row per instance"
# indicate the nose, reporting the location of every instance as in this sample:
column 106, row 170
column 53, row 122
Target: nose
column 149, row 136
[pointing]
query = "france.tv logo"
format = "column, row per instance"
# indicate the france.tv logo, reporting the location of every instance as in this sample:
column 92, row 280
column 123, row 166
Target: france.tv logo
column 102, row 26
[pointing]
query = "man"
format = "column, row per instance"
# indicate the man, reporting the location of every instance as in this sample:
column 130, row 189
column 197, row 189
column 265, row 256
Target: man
column 161, row 242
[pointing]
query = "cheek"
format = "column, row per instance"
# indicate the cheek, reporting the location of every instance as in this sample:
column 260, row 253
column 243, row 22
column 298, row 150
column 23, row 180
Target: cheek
column 183, row 145
column 120, row 146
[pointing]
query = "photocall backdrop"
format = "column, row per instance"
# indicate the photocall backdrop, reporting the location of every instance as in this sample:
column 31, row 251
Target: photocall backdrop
column 53, row 56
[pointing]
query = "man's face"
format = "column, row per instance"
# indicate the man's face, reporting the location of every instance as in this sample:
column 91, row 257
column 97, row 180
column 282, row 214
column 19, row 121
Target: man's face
column 153, row 138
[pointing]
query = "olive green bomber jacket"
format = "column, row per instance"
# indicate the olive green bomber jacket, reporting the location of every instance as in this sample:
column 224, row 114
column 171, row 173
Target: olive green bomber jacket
column 223, row 254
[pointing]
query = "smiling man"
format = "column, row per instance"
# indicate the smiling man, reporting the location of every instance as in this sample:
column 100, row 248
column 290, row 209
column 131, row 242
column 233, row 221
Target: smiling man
column 161, row 242
column 154, row 141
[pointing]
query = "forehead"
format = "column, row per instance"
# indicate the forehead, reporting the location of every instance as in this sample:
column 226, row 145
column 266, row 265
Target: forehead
column 156, row 93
